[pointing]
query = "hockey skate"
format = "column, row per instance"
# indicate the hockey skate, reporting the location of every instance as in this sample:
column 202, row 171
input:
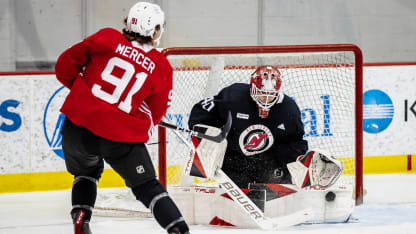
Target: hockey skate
column 81, row 226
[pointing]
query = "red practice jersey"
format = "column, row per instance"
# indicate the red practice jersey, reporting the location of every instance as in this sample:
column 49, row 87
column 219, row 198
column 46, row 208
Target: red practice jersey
column 119, row 89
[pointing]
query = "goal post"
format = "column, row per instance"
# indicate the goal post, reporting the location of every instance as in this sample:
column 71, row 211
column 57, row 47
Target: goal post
column 324, row 80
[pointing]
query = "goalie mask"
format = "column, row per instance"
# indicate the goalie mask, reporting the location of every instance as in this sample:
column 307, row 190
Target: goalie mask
column 144, row 17
column 264, row 88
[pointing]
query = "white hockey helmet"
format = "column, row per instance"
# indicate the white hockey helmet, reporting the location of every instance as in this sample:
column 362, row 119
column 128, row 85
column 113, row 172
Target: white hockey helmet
column 144, row 17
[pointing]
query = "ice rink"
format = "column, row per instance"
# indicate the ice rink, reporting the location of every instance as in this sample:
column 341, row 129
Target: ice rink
column 389, row 207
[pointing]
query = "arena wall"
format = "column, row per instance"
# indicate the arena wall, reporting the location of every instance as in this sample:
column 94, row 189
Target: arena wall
column 31, row 157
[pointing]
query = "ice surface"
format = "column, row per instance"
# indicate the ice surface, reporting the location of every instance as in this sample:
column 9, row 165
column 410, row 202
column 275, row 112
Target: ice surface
column 389, row 208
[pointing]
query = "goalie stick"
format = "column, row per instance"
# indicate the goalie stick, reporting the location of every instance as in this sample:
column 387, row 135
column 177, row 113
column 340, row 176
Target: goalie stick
column 220, row 137
column 255, row 214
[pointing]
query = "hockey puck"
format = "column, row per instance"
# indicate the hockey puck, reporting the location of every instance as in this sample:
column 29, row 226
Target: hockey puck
column 330, row 196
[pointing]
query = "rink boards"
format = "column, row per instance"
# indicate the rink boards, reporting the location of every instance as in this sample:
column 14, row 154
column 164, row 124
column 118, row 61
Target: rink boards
column 31, row 156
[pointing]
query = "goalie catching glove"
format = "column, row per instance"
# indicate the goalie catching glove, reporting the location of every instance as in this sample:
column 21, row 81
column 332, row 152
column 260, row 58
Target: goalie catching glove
column 209, row 154
column 315, row 168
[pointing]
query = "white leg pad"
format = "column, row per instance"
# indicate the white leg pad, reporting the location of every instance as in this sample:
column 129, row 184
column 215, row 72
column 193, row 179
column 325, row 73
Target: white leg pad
column 206, row 205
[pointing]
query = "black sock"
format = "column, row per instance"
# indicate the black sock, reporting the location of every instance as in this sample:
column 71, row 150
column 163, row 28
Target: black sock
column 84, row 194
column 154, row 196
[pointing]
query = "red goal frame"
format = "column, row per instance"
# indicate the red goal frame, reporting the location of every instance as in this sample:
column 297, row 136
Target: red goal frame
column 285, row 49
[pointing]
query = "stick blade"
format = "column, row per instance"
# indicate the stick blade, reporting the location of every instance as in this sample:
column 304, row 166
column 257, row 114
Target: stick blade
column 293, row 219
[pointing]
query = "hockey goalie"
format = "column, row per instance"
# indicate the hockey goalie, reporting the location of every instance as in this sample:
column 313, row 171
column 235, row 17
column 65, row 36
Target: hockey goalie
column 311, row 196
column 263, row 168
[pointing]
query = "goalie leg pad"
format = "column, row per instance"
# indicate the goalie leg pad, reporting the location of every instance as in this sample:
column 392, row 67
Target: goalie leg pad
column 154, row 196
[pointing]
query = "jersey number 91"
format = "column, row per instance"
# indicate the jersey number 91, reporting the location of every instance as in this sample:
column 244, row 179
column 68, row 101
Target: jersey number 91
column 120, row 83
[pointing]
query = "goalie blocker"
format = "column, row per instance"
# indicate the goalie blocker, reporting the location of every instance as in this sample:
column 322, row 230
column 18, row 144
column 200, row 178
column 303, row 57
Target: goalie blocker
column 209, row 155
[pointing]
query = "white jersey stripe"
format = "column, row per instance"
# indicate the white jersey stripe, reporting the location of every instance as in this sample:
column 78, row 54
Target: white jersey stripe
column 145, row 109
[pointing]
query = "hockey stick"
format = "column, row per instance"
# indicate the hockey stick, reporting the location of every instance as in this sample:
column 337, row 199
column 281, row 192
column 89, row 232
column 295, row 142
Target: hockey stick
column 220, row 137
column 121, row 212
column 190, row 159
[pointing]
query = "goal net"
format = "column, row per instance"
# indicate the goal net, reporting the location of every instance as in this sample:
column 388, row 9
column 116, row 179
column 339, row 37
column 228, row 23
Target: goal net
column 324, row 80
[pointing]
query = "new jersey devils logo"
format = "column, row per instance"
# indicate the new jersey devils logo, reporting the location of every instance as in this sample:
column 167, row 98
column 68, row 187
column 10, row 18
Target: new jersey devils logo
column 255, row 139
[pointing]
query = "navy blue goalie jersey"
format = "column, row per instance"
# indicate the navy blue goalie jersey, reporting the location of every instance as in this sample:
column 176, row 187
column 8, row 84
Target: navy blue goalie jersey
column 275, row 140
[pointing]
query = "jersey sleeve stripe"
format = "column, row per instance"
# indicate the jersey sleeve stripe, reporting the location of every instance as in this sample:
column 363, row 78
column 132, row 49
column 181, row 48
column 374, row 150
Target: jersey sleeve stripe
column 145, row 109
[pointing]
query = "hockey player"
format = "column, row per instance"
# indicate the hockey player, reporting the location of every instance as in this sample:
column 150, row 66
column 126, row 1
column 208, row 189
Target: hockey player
column 266, row 133
column 265, row 147
column 120, row 87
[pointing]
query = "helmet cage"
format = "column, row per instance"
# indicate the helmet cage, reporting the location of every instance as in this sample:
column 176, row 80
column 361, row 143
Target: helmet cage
column 269, row 95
